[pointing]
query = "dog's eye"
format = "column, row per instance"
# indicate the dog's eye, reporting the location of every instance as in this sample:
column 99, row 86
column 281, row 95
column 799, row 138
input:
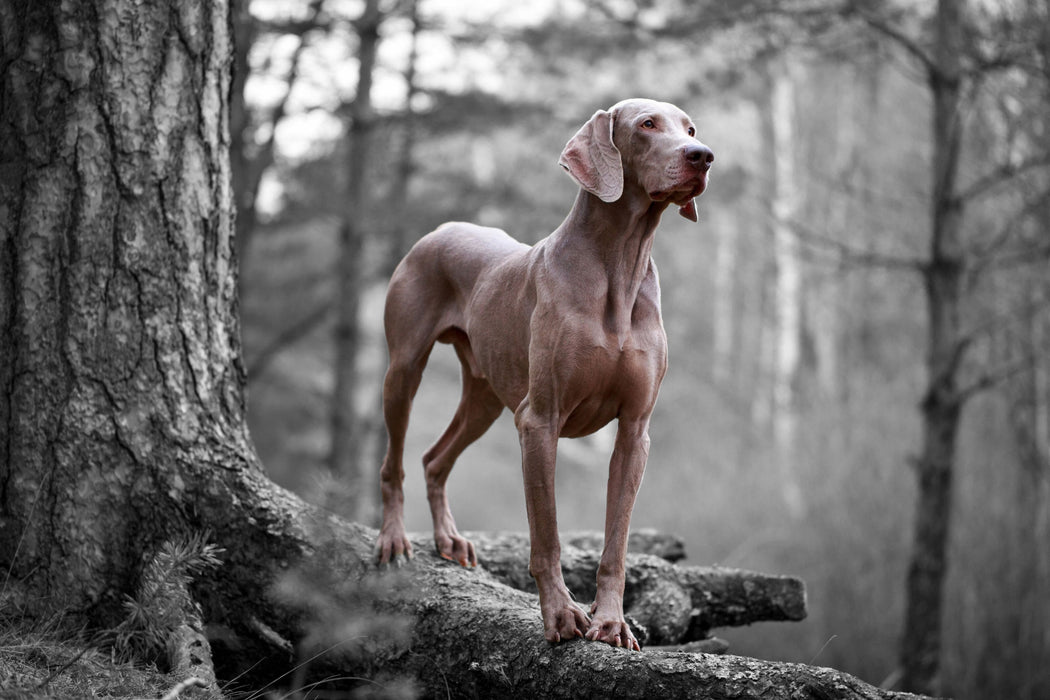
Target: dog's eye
column 649, row 124
column 692, row 131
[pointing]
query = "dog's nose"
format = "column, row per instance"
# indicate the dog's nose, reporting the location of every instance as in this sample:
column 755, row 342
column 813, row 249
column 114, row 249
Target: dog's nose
column 700, row 155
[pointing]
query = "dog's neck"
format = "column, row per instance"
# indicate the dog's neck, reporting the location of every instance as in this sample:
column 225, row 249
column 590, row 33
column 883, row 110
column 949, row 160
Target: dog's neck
column 617, row 237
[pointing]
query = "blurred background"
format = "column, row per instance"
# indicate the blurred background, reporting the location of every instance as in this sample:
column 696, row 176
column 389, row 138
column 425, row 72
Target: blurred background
column 789, row 426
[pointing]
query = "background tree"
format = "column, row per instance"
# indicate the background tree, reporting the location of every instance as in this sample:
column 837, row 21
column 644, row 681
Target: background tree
column 253, row 132
column 953, row 73
column 345, row 458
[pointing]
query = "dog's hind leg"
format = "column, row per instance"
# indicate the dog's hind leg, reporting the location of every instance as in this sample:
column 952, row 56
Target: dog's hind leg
column 409, row 343
column 478, row 409
column 399, row 388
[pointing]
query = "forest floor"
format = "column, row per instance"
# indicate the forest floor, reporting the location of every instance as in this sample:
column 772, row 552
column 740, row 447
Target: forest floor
column 43, row 661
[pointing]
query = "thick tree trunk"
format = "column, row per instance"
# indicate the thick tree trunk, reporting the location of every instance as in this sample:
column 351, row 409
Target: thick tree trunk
column 942, row 403
column 122, row 413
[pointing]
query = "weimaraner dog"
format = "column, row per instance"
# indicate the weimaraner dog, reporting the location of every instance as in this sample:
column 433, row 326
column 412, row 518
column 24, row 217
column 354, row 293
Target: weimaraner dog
column 566, row 333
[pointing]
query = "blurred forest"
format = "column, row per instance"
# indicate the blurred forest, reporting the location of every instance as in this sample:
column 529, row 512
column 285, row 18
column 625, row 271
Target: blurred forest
column 790, row 430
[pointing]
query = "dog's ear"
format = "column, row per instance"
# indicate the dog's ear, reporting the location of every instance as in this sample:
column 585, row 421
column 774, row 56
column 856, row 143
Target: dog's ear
column 593, row 160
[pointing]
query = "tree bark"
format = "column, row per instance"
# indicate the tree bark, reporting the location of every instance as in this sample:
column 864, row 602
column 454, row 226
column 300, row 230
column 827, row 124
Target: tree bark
column 119, row 292
column 122, row 410
column 676, row 604
column 471, row 636
column 640, row 541
column 244, row 35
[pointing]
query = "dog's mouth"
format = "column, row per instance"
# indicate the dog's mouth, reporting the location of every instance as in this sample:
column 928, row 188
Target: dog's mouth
column 682, row 195
column 682, row 192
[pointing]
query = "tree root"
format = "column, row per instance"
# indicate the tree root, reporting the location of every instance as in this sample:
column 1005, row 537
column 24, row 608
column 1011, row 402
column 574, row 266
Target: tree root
column 471, row 635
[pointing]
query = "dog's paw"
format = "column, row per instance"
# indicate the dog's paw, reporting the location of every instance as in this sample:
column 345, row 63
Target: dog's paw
column 563, row 623
column 614, row 632
column 455, row 547
column 393, row 547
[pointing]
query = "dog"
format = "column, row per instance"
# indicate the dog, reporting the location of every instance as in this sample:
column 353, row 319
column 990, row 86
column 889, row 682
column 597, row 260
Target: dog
column 566, row 333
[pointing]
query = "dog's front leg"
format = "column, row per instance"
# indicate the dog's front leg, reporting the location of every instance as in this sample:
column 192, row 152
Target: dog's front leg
column 562, row 618
column 625, row 476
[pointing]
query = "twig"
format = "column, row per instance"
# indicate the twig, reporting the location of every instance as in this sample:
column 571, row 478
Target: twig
column 270, row 636
column 191, row 682
column 989, row 257
column 903, row 40
column 989, row 380
column 63, row 667
column 849, row 254
column 1003, row 174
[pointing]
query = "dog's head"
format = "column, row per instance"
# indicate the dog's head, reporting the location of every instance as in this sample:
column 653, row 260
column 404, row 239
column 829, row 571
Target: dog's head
column 643, row 144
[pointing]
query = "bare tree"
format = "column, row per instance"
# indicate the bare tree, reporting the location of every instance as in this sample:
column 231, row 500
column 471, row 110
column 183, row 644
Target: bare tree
column 343, row 456
column 952, row 69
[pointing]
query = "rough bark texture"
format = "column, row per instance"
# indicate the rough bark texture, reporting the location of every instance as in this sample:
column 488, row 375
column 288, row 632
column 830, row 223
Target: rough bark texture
column 245, row 187
column 122, row 403
column 675, row 604
column 640, row 541
column 487, row 641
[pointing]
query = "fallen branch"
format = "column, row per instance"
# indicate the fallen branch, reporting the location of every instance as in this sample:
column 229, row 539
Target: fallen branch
column 644, row 541
column 189, row 654
column 474, row 636
column 676, row 604
column 462, row 633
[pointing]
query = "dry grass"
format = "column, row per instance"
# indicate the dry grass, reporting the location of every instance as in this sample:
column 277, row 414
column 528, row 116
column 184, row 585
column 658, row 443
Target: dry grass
column 43, row 660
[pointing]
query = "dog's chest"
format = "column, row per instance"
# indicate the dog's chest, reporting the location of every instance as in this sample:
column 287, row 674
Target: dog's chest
column 600, row 380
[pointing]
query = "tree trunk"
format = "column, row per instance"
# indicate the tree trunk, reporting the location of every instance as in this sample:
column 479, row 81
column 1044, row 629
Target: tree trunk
column 123, row 408
column 942, row 403
column 344, row 457
column 787, row 300
column 826, row 291
column 244, row 35
column 400, row 240
column 397, row 201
